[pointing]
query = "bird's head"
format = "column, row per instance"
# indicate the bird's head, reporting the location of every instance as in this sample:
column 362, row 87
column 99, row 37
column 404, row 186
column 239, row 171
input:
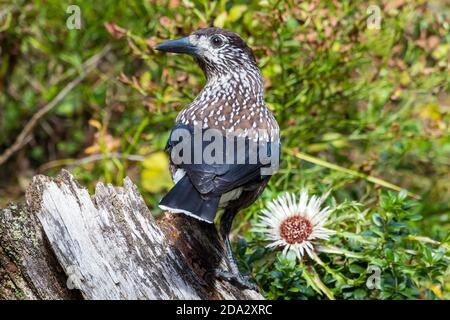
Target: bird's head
column 217, row 51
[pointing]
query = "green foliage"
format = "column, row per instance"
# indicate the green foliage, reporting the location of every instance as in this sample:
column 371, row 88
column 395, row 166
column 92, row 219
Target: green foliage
column 383, row 239
column 355, row 105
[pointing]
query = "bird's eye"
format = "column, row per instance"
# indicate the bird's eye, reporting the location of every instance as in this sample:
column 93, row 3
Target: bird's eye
column 216, row 41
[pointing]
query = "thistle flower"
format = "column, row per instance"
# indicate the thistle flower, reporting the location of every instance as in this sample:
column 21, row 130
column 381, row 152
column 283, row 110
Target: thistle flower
column 295, row 225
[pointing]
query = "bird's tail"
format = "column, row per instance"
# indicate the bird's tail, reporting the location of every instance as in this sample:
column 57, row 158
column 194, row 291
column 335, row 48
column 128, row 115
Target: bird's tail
column 184, row 198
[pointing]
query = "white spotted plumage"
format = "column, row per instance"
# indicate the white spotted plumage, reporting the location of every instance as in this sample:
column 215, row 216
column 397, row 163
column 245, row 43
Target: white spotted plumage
column 234, row 83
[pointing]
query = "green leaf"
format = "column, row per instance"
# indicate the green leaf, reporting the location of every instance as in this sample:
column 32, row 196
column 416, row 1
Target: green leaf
column 377, row 220
column 155, row 174
column 236, row 13
column 354, row 268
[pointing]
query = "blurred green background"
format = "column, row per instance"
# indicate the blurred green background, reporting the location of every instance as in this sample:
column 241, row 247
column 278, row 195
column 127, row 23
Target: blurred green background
column 355, row 103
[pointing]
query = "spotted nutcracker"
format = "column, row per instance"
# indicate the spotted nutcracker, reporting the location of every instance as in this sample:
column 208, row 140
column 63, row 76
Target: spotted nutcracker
column 232, row 104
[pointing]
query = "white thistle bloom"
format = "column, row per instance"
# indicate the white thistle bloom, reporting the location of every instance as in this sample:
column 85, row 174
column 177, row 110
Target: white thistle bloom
column 295, row 225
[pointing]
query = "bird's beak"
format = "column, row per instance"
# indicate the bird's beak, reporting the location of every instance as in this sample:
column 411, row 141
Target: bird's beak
column 181, row 45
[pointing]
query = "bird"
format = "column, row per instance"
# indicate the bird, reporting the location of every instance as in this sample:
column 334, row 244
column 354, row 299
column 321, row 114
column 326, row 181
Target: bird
column 231, row 103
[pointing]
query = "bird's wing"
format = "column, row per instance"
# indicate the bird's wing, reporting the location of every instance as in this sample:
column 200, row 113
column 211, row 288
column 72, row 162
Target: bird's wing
column 217, row 184
column 216, row 179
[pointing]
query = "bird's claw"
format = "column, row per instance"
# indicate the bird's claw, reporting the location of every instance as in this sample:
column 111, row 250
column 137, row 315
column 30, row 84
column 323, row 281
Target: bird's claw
column 238, row 279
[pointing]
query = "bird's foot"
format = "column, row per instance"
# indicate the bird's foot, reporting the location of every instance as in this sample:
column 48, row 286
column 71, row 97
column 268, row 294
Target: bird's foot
column 238, row 279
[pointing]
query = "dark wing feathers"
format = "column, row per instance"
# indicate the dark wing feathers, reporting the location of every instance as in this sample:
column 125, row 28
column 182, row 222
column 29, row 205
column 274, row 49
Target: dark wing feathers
column 184, row 196
column 217, row 184
column 216, row 179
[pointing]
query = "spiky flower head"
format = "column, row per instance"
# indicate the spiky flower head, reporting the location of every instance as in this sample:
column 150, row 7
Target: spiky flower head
column 295, row 225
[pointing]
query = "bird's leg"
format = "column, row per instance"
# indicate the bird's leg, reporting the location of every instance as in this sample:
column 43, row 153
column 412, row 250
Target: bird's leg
column 233, row 275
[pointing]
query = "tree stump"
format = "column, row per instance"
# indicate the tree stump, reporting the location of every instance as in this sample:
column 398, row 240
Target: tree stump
column 65, row 244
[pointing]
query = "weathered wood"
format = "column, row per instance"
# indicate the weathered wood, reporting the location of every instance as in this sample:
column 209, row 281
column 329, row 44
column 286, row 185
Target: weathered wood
column 106, row 247
column 28, row 267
